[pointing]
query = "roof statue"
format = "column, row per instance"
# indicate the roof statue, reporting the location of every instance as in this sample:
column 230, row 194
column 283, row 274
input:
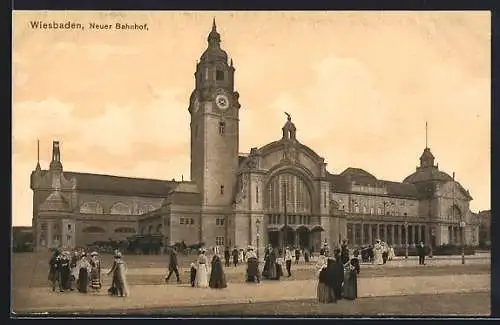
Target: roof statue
column 288, row 116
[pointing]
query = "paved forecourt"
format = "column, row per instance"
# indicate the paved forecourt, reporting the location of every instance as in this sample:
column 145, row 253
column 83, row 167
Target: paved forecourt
column 147, row 296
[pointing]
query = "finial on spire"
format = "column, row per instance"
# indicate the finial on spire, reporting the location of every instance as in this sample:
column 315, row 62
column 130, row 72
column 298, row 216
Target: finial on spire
column 214, row 26
column 426, row 136
column 38, row 151
column 231, row 63
column 288, row 116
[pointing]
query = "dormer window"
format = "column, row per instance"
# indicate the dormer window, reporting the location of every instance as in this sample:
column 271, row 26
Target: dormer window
column 219, row 75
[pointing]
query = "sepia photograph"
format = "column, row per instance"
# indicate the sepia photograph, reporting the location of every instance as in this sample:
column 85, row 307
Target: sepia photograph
column 251, row 163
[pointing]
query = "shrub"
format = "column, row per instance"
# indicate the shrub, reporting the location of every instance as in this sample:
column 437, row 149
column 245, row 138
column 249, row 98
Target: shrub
column 443, row 250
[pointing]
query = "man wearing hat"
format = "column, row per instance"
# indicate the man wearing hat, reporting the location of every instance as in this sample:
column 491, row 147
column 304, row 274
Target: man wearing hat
column 172, row 266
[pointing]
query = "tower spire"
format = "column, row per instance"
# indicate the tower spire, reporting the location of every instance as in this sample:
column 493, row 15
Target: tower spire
column 426, row 136
column 214, row 26
column 38, row 154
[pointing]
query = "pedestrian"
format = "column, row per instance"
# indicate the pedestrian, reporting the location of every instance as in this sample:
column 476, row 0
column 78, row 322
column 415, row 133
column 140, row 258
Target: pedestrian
column 377, row 253
column 288, row 261
column 252, row 273
column 53, row 269
column 227, row 257
column 351, row 277
column 306, row 255
column 95, row 272
column 297, row 255
column 64, row 268
column 271, row 267
column 192, row 275
column 323, row 292
column 336, row 275
column 119, row 285
column 173, row 266
column 217, row 276
column 235, row 257
column 202, row 270
column 421, row 253
column 84, row 269
column 344, row 255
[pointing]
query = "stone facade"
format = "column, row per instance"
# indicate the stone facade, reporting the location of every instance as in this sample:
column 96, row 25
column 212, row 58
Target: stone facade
column 280, row 192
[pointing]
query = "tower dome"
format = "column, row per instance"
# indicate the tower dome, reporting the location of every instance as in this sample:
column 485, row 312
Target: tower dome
column 214, row 51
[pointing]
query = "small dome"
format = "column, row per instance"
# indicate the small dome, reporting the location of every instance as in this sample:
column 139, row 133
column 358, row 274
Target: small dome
column 428, row 174
column 55, row 202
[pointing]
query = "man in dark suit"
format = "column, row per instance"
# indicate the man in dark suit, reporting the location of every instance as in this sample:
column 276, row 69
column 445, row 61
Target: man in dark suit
column 172, row 266
column 421, row 253
column 227, row 257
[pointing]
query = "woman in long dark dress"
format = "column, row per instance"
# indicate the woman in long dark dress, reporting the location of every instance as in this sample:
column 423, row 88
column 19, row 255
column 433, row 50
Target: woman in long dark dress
column 266, row 262
column 64, row 268
column 253, row 274
column 272, row 270
column 335, row 270
column 351, row 278
column 217, row 276
column 323, row 291
column 83, row 274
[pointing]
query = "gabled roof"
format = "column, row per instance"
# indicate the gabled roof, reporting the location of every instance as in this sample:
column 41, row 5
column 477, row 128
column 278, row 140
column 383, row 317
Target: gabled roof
column 120, row 185
column 55, row 202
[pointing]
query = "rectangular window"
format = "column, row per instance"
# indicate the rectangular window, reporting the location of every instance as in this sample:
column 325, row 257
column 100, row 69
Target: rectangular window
column 68, row 238
column 219, row 241
column 222, row 190
column 324, row 199
column 256, row 194
column 206, row 73
column 192, row 221
column 69, row 227
column 222, row 128
column 181, row 221
column 219, row 75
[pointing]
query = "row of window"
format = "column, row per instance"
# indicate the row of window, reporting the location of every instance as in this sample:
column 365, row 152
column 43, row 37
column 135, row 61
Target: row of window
column 55, row 227
column 186, row 221
column 292, row 220
column 219, row 240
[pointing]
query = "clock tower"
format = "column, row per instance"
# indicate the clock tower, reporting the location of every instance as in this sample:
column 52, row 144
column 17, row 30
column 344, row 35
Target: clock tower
column 214, row 127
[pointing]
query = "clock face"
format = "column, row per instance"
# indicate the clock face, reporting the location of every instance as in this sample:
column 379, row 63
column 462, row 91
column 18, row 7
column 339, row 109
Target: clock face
column 222, row 101
column 196, row 105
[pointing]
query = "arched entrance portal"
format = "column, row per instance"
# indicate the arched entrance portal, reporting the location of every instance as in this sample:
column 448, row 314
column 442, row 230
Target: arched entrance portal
column 288, row 206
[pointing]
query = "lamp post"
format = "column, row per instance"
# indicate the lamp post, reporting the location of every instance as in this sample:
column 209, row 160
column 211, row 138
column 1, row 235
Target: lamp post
column 257, row 223
column 462, row 228
column 406, row 240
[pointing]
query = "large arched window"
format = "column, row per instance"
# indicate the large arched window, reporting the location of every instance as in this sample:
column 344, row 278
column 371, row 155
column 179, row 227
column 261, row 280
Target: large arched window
column 292, row 188
column 120, row 208
column 91, row 208
column 454, row 214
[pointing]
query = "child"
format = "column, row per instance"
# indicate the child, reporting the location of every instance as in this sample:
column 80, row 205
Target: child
column 193, row 275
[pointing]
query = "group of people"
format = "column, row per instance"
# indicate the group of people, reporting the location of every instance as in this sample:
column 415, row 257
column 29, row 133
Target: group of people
column 70, row 270
column 201, row 276
column 82, row 271
column 337, row 275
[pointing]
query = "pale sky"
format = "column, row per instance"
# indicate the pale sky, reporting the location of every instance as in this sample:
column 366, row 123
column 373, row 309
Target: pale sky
column 359, row 85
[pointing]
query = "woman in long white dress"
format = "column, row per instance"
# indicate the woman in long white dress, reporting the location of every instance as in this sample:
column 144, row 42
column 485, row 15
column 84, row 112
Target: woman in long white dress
column 377, row 253
column 202, row 270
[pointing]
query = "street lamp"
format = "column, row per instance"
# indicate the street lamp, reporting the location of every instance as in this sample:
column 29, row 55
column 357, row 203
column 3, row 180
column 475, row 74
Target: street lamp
column 406, row 240
column 462, row 228
column 257, row 223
